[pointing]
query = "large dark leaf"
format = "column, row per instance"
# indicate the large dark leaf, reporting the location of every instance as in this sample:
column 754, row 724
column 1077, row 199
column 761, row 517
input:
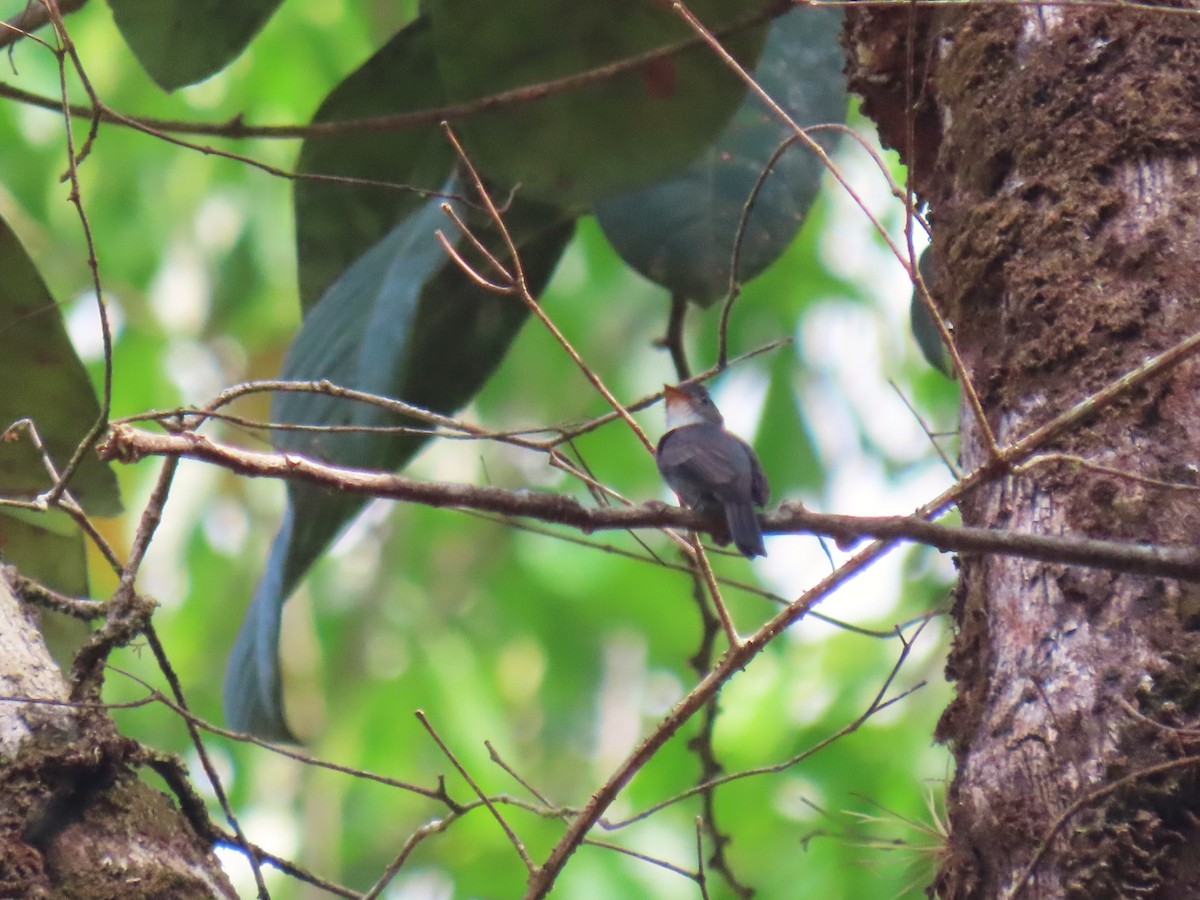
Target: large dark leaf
column 337, row 222
column 681, row 232
column 402, row 321
column 394, row 317
column 573, row 147
column 181, row 42
column 46, row 382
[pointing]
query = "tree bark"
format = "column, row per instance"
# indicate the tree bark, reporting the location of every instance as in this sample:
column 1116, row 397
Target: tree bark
column 1057, row 148
column 75, row 819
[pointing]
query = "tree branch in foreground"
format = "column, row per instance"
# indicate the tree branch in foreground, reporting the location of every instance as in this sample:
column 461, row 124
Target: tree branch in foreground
column 128, row 445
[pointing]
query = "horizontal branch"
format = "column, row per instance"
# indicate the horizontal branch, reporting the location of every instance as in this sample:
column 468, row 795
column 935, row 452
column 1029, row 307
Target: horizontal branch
column 128, row 445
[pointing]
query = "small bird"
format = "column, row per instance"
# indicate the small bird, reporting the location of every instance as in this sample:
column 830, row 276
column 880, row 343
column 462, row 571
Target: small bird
column 711, row 470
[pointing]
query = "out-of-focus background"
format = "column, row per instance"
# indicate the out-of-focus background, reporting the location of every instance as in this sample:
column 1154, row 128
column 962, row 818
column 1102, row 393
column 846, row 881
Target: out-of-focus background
column 557, row 651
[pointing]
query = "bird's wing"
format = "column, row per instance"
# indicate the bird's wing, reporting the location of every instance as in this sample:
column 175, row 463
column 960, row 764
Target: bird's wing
column 709, row 454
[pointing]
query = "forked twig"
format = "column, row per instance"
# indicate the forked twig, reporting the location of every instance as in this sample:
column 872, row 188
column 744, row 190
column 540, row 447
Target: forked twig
column 519, row 286
column 449, row 754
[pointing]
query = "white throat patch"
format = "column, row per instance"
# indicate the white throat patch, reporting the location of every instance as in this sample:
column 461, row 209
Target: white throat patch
column 681, row 413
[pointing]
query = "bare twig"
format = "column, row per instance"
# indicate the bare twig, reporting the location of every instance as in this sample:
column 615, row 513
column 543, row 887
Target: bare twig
column 937, row 448
column 701, row 879
column 35, row 15
column 519, row 286
column 523, row 782
column 509, row 833
column 156, row 696
column 735, row 262
column 210, row 770
column 65, row 50
column 877, row 704
column 714, row 591
column 66, row 500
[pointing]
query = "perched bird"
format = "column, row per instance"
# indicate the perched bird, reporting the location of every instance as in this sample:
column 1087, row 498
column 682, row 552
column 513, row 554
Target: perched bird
column 711, row 470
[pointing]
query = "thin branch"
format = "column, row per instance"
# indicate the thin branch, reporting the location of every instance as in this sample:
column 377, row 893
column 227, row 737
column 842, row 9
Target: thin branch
column 206, row 763
column 436, row 826
column 35, row 15
column 937, row 448
column 150, row 519
column 1070, row 460
column 509, row 833
column 734, row 583
column 701, row 879
column 66, row 50
column 644, row 857
column 714, row 591
column 521, row 288
column 599, row 421
column 287, row 867
column 877, row 704
column 512, row 773
column 156, row 696
column 701, row 742
column 66, row 500
column 735, row 262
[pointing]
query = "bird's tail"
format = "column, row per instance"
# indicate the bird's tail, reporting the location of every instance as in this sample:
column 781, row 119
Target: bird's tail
column 744, row 529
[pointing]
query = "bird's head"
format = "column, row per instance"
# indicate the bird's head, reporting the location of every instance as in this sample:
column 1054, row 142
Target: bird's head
column 690, row 404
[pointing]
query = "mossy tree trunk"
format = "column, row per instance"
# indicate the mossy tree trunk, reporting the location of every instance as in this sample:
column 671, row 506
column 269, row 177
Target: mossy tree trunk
column 76, row 821
column 1058, row 150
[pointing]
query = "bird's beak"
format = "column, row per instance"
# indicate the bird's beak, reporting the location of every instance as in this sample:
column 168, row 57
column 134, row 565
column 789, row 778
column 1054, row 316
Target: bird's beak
column 672, row 393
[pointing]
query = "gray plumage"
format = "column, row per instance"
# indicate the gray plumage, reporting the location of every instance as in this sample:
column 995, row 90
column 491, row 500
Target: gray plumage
column 710, row 469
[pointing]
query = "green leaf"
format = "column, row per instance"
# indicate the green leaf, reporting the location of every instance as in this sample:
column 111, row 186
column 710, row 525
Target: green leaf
column 403, row 321
column 611, row 134
column 46, row 547
column 180, row 42
column 44, row 381
column 337, row 222
column 360, row 335
column 681, row 232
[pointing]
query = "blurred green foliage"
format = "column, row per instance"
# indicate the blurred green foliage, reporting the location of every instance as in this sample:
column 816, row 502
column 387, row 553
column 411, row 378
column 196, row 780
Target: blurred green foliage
column 561, row 656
